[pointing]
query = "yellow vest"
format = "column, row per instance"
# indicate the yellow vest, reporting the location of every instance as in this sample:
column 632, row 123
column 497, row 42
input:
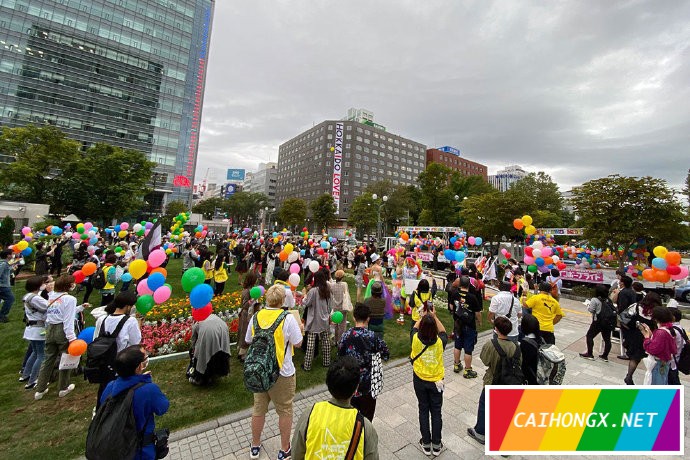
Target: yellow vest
column 429, row 366
column 105, row 273
column 220, row 275
column 418, row 300
column 329, row 432
column 208, row 271
column 266, row 317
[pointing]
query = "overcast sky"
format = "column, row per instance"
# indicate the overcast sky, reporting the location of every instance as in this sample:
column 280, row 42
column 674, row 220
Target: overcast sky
column 578, row 89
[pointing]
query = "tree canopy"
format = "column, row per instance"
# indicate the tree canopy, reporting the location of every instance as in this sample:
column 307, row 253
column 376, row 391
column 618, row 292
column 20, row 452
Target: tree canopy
column 362, row 214
column 293, row 212
column 323, row 210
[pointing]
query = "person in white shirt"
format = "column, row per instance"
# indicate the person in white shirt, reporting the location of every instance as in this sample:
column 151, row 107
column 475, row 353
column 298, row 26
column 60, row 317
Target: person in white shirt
column 505, row 304
column 554, row 279
column 282, row 392
column 60, row 319
column 35, row 308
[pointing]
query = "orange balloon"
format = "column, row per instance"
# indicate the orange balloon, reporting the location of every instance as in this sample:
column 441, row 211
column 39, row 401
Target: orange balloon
column 663, row 276
column 518, row 224
column 160, row 270
column 283, row 256
column 648, row 274
column 89, row 268
column 548, row 260
column 672, row 258
column 77, row 347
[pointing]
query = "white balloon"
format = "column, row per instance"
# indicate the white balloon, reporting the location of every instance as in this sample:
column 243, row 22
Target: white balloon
column 294, row 279
column 555, row 258
column 537, row 245
column 294, row 255
column 313, row 266
column 536, row 253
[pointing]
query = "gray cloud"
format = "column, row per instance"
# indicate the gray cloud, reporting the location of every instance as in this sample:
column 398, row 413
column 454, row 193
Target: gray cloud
column 579, row 89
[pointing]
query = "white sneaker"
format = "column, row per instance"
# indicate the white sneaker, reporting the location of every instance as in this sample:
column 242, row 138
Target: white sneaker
column 66, row 391
column 39, row 394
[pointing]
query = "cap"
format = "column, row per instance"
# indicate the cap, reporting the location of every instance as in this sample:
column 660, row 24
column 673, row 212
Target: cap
column 374, row 258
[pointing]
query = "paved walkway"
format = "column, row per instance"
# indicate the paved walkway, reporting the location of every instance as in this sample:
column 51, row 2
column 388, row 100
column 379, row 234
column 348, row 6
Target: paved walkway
column 396, row 419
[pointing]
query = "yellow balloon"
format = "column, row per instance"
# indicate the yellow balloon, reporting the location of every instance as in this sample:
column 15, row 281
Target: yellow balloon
column 660, row 251
column 527, row 220
column 22, row 245
column 530, row 230
column 122, row 233
column 137, row 268
column 289, row 248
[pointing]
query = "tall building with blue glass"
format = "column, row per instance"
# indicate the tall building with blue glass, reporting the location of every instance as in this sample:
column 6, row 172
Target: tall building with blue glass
column 130, row 73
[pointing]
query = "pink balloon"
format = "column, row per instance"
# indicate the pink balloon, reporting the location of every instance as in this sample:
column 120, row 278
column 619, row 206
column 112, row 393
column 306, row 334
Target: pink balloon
column 162, row 294
column 529, row 260
column 471, row 240
column 294, row 268
column 26, row 230
column 75, row 236
column 87, row 226
column 143, row 288
column 124, row 226
column 156, row 258
column 682, row 275
column 546, row 252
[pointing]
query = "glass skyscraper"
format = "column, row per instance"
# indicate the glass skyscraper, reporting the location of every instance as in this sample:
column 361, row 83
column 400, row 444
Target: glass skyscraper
column 130, row 73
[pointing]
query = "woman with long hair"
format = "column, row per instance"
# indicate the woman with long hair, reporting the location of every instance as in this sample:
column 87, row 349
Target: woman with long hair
column 660, row 344
column 596, row 304
column 248, row 308
column 632, row 334
column 318, row 303
column 220, row 272
column 360, row 265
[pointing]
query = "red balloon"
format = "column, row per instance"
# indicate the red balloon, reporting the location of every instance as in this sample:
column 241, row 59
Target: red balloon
column 673, row 270
column 78, row 276
column 457, row 244
column 319, row 251
column 200, row 314
column 528, row 251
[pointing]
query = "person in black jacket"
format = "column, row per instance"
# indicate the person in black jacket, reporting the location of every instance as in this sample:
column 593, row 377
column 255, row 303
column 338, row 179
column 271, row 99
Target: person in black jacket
column 530, row 353
column 626, row 297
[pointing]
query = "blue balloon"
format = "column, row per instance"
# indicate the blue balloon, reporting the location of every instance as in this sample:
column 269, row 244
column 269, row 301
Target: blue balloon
column 478, row 240
column 126, row 278
column 324, row 245
column 449, row 254
column 56, row 230
column 201, row 295
column 659, row 263
column 302, row 252
column 27, row 252
column 93, row 241
column 117, row 229
column 108, row 231
column 155, row 280
column 539, row 261
column 87, row 334
column 453, row 240
column 459, row 256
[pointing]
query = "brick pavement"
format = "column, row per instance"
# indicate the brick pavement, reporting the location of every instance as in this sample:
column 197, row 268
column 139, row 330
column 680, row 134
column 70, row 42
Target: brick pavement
column 396, row 419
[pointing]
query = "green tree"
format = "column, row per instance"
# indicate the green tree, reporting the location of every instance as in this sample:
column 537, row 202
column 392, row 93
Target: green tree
column 362, row 214
column 616, row 211
column 293, row 212
column 399, row 204
column 172, row 209
column 245, row 206
column 44, row 161
column 538, row 195
column 323, row 211
column 436, row 197
column 113, row 182
column 6, row 231
column 686, row 191
column 207, row 208
column 489, row 215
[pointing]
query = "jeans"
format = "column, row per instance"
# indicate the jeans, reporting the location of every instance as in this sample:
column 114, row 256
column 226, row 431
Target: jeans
column 33, row 364
column 660, row 372
column 479, row 426
column 430, row 401
column 594, row 330
column 7, row 298
column 56, row 345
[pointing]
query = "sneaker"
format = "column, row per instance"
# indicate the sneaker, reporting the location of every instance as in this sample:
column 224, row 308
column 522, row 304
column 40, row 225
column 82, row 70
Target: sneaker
column 285, row 455
column 457, row 368
column 604, row 358
column 436, row 449
column 477, row 437
column 30, row 386
column 254, row 452
column 39, row 394
column 23, row 379
column 470, row 374
column 426, row 448
column 66, row 391
column 587, row 356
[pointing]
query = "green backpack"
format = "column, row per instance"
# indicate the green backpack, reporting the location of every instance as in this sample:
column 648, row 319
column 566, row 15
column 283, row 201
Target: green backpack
column 261, row 369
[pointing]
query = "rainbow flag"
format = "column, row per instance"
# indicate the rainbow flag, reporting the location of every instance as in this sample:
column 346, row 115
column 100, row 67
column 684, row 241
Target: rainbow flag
column 588, row 419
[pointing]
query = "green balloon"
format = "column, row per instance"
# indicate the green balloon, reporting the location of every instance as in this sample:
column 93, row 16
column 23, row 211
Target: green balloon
column 532, row 268
column 145, row 304
column 255, row 292
column 337, row 317
column 191, row 278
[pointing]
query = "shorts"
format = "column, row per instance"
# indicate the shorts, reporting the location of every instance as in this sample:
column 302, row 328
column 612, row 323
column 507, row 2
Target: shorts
column 282, row 393
column 466, row 340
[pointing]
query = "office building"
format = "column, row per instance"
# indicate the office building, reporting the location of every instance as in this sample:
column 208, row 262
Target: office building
column 450, row 156
column 506, row 177
column 263, row 181
column 130, row 73
column 362, row 154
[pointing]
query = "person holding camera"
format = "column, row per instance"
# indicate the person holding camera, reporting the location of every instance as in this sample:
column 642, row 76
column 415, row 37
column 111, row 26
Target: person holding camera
column 632, row 334
column 467, row 311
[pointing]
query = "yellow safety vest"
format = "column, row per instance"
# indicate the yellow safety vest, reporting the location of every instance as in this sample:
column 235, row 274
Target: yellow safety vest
column 266, row 317
column 418, row 300
column 330, row 432
column 429, row 365
column 220, row 275
column 106, row 270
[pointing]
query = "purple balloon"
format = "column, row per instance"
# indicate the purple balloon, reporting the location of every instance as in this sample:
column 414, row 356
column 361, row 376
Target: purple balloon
column 148, row 225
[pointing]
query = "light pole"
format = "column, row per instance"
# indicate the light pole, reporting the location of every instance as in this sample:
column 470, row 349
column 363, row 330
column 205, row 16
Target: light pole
column 384, row 198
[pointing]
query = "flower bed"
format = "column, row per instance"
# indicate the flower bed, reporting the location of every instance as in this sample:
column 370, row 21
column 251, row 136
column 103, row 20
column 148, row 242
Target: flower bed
column 168, row 327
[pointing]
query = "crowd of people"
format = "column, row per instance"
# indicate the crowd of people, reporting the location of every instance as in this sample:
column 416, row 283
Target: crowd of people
column 524, row 314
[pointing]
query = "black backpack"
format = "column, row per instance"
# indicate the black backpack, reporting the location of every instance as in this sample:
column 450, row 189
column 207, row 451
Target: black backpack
column 607, row 317
column 113, row 431
column 261, row 369
column 100, row 354
column 683, row 362
column 509, row 370
column 99, row 280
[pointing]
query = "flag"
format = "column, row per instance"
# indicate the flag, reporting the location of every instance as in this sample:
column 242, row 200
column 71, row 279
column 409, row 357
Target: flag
column 490, row 273
column 152, row 241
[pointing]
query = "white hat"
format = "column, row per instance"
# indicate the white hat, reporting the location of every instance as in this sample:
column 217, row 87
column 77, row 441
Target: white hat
column 374, row 258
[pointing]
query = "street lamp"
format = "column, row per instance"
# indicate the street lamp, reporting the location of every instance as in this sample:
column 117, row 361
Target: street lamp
column 384, row 198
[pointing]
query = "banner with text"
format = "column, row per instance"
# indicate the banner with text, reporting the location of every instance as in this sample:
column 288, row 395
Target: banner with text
column 602, row 420
column 337, row 165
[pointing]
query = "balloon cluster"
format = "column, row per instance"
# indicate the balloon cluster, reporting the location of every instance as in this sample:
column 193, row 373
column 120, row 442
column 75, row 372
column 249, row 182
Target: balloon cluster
column 304, row 233
column 540, row 258
column 22, row 247
column 170, row 248
column 665, row 266
column 153, row 290
column 200, row 293
column 348, row 233
column 525, row 223
column 177, row 228
column 201, row 231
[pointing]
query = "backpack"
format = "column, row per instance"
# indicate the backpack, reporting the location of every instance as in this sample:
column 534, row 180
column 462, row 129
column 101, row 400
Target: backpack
column 101, row 277
column 509, row 370
column 607, row 317
column 113, row 431
column 683, row 361
column 551, row 363
column 462, row 314
column 101, row 353
column 261, row 368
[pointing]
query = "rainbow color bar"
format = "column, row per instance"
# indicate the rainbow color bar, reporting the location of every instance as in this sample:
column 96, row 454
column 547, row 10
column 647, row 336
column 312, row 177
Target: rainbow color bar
column 607, row 420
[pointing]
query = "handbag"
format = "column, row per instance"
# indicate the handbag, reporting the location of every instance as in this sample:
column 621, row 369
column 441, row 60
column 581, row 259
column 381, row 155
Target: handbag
column 627, row 316
column 347, row 301
column 376, row 375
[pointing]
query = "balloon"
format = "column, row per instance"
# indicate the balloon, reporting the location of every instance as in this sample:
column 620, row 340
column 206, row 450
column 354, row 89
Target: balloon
column 255, row 292
column 536, row 253
column 26, row 231
column 528, row 260
column 546, row 252
column 294, row 268
column 530, row 230
column 478, row 241
column 527, row 220
column 449, row 254
column 160, row 270
column 673, row 270
column 124, row 226
column 145, row 303
column 283, row 256
column 313, row 266
column 660, row 251
column 27, row 252
column 192, row 278
column 537, row 245
column 157, row 257
column 137, row 268
column 518, row 224
column 89, row 268
column 539, row 261
column 78, row 276
column 87, row 334
column 648, row 274
column 162, row 294
column 156, row 280
column 659, row 263
column 294, row 279
column 289, row 248
column 201, row 295
column 77, row 347
column 200, row 314
column 682, row 275
column 471, row 240
column 662, row 276
column 293, row 256
column 337, row 317
column 122, row 234
column 143, row 288
column 672, row 258
column 532, row 269
column 459, row 256
column 126, row 278
column 22, row 245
